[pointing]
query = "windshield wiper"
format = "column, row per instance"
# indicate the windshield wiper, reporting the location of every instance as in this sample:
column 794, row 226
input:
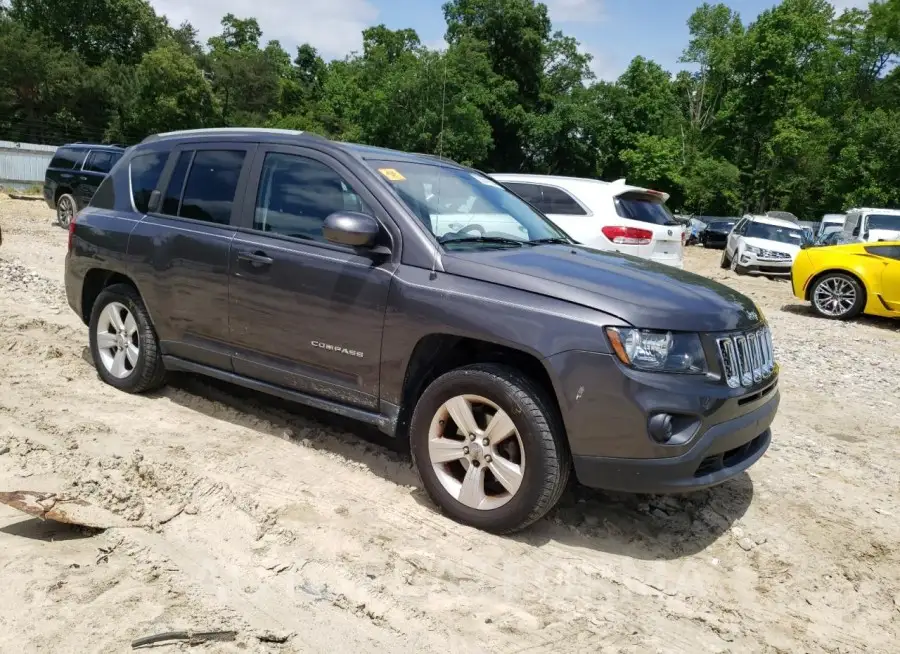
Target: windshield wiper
column 480, row 239
column 550, row 241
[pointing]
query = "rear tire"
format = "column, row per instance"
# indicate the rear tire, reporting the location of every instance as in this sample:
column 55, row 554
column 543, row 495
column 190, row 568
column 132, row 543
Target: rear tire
column 66, row 208
column 123, row 342
column 837, row 296
column 533, row 456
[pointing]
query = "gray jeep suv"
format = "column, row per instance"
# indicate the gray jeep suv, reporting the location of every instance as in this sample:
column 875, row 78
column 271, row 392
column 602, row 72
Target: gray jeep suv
column 422, row 297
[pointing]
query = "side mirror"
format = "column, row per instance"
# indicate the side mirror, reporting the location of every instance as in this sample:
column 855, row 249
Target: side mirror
column 153, row 203
column 357, row 230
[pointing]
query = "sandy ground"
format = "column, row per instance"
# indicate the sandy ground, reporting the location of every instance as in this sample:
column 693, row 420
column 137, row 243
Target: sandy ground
column 281, row 524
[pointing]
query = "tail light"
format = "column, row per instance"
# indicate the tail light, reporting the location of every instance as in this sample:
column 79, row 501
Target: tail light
column 71, row 233
column 627, row 235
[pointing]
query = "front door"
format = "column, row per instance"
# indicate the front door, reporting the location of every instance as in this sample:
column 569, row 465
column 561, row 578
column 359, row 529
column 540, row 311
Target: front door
column 307, row 314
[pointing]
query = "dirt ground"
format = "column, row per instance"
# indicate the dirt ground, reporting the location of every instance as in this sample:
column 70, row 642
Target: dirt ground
column 305, row 534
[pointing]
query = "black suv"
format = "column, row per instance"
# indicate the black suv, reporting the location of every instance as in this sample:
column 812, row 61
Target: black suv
column 423, row 297
column 74, row 174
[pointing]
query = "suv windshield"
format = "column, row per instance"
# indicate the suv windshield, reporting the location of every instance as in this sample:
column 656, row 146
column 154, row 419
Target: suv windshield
column 884, row 221
column 776, row 233
column 464, row 208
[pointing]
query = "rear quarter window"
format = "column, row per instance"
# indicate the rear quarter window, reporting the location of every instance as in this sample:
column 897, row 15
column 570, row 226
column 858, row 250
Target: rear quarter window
column 145, row 170
column 105, row 195
column 67, row 159
column 887, row 251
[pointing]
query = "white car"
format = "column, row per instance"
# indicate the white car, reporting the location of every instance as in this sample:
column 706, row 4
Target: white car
column 762, row 245
column 831, row 222
column 870, row 225
column 611, row 216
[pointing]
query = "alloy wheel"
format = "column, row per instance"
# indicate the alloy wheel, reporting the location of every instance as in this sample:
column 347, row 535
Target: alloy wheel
column 476, row 452
column 834, row 296
column 118, row 341
column 65, row 211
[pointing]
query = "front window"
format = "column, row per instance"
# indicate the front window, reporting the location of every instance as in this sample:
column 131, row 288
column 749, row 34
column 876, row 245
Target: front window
column 884, row 221
column 776, row 233
column 464, row 208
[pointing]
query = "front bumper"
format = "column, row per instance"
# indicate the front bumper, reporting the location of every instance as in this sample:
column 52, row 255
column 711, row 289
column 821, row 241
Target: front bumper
column 754, row 264
column 607, row 409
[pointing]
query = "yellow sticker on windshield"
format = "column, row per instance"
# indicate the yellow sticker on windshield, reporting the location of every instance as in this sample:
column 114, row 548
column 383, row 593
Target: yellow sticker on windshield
column 392, row 174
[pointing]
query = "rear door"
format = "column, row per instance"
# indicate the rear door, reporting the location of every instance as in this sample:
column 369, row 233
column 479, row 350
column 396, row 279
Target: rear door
column 305, row 313
column 184, row 244
column 96, row 166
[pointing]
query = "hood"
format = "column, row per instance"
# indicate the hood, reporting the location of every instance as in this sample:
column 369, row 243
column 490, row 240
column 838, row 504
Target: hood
column 643, row 293
column 883, row 235
column 775, row 246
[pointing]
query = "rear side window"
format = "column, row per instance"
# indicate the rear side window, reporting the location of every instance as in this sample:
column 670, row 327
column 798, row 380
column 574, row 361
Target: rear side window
column 888, row 251
column 531, row 193
column 101, row 162
column 548, row 199
column 559, row 202
column 145, row 172
column 211, row 186
column 67, row 159
column 645, row 208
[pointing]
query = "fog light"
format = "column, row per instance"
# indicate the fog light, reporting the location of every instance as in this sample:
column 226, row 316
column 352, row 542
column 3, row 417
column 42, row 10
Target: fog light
column 660, row 427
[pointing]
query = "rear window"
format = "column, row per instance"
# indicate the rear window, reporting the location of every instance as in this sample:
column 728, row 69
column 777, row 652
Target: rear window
column 145, row 172
column 67, row 159
column 646, row 208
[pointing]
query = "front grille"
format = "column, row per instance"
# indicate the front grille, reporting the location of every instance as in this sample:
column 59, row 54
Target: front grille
column 747, row 358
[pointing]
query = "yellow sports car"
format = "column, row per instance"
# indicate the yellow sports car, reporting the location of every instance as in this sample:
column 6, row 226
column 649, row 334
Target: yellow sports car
column 842, row 281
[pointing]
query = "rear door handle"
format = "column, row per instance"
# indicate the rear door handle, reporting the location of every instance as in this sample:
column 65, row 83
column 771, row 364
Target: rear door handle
column 257, row 259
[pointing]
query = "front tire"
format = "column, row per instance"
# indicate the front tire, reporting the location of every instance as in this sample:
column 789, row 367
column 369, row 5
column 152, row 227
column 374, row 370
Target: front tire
column 837, row 296
column 66, row 208
column 736, row 268
column 489, row 448
column 725, row 263
column 123, row 342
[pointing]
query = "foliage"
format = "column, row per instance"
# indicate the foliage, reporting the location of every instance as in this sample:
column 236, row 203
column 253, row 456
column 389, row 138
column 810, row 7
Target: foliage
column 797, row 110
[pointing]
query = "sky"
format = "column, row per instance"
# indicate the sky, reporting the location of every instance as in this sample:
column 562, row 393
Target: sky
column 612, row 31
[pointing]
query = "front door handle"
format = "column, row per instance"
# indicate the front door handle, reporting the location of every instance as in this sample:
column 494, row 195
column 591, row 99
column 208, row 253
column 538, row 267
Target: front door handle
column 257, row 259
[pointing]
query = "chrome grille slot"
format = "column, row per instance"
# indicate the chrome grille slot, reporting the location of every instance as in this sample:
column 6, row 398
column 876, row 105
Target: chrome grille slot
column 746, row 358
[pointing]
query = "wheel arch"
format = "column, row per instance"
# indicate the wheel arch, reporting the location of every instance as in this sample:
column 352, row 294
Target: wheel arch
column 836, row 270
column 95, row 281
column 60, row 191
column 439, row 353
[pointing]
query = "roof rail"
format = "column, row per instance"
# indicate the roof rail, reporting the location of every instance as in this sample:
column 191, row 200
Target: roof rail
column 212, row 131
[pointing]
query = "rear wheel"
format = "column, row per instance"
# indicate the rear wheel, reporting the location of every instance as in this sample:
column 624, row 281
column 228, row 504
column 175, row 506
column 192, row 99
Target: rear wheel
column 489, row 448
column 65, row 209
column 123, row 342
column 838, row 296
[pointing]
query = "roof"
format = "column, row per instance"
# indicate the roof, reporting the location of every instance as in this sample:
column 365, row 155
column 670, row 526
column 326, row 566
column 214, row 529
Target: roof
column 94, row 146
column 890, row 212
column 618, row 186
column 777, row 222
column 297, row 137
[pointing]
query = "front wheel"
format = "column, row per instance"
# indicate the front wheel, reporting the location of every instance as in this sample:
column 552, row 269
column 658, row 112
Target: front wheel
column 123, row 342
column 489, row 448
column 725, row 263
column 838, row 296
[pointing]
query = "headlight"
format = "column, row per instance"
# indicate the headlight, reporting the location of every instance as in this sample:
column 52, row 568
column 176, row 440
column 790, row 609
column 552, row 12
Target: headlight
column 754, row 250
column 658, row 351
